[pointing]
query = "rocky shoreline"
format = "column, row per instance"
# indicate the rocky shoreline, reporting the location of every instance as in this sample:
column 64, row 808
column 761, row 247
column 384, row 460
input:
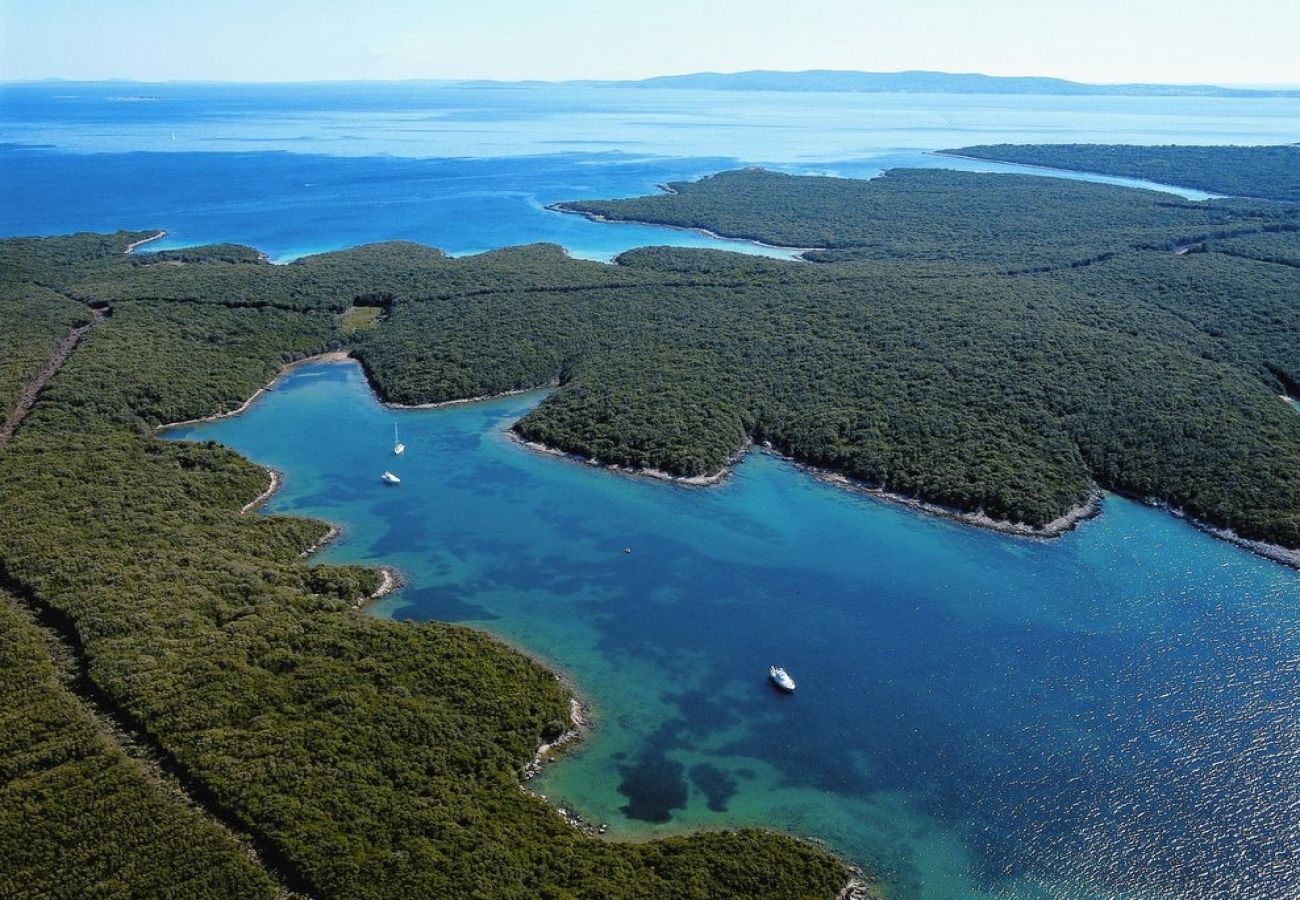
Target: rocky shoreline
column 658, row 474
column 389, row 580
column 580, row 719
column 1275, row 552
column 276, row 480
column 1090, row 507
column 513, row 392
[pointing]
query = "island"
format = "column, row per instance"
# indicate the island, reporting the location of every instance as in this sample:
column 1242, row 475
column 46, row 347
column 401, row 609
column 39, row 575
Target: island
column 997, row 348
column 1272, row 172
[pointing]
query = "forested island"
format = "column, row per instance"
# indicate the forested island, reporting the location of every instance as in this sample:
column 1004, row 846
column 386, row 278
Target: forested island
column 996, row 346
column 1272, row 173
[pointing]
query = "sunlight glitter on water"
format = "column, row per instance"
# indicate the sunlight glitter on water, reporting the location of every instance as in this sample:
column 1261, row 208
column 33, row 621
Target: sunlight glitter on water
column 1112, row 713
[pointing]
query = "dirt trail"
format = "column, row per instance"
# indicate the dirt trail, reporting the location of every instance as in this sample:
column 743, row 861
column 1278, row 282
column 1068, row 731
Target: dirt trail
column 52, row 365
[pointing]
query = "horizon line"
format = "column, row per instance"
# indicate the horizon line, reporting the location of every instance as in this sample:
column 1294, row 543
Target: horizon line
column 1257, row 86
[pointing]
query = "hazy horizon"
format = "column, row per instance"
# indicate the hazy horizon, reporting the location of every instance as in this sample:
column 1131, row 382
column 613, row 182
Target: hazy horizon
column 1241, row 85
column 243, row 41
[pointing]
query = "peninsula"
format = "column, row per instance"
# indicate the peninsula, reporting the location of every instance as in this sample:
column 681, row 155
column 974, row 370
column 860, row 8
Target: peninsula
column 996, row 346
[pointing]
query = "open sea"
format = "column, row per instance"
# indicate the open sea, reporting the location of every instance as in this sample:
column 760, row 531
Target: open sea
column 1115, row 713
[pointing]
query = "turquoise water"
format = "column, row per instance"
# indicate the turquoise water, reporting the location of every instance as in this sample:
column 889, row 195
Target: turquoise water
column 1110, row 714
column 1114, row 713
column 298, row 169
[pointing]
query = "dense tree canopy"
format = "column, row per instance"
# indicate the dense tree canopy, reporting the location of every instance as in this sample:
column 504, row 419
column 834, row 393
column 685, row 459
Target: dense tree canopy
column 990, row 343
column 77, row 818
column 1095, row 354
column 1272, row 173
column 366, row 758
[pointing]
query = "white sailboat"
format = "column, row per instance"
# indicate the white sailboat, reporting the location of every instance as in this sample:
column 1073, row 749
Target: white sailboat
column 390, row 478
column 398, row 447
column 781, row 679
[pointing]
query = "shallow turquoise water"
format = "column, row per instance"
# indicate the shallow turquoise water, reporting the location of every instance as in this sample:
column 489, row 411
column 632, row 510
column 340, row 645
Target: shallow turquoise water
column 1111, row 713
column 1114, row 713
column 299, row 169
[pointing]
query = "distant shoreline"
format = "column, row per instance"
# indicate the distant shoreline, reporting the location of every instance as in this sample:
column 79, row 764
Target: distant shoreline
column 605, row 220
column 1067, row 521
column 131, row 247
column 1179, row 190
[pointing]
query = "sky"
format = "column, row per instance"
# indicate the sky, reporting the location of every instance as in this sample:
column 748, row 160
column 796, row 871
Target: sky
column 1168, row 41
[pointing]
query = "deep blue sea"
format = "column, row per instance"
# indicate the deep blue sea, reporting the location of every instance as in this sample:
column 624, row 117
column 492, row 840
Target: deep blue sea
column 297, row 169
column 1115, row 713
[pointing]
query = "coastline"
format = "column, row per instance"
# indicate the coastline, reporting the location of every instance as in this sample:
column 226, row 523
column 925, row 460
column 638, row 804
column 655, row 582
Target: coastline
column 131, row 247
column 1064, row 523
column 331, row 535
column 1089, row 508
column 1276, row 552
column 390, row 579
column 658, row 474
column 329, row 356
column 276, row 480
column 1178, row 190
column 1067, row 521
column 548, row 751
column 798, row 252
column 554, row 382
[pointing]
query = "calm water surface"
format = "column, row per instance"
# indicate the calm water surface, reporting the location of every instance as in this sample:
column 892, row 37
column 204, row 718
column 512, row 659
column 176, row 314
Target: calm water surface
column 298, row 169
column 1110, row 714
column 1114, row 713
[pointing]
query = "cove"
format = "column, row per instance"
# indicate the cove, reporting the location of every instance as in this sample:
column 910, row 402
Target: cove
column 1112, row 713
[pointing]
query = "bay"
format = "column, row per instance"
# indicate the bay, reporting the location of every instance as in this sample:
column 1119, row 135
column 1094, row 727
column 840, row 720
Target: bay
column 1112, row 713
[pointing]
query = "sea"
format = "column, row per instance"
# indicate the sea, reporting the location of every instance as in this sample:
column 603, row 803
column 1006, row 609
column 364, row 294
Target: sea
column 1111, row 714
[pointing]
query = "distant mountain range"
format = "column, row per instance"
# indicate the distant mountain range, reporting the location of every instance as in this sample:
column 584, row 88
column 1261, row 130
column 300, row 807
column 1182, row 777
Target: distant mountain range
column 813, row 80
column 825, row 80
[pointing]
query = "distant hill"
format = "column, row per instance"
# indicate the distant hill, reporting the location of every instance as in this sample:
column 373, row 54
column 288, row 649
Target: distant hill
column 826, row 80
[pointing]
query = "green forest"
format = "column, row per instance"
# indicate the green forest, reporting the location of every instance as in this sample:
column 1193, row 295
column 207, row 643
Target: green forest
column 360, row 757
column 989, row 343
column 1270, row 173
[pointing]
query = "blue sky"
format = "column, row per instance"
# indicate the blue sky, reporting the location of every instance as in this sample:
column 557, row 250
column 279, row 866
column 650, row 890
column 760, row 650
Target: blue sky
column 1246, row 41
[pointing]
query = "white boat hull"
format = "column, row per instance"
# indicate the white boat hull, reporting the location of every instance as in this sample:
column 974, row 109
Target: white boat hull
column 781, row 680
